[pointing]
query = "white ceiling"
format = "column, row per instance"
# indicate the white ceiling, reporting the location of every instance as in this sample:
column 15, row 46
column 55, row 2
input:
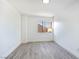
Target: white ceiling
column 36, row 7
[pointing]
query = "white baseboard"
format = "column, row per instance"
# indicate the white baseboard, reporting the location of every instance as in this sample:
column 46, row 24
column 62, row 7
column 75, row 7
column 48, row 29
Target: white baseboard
column 24, row 42
column 39, row 40
column 11, row 50
column 72, row 52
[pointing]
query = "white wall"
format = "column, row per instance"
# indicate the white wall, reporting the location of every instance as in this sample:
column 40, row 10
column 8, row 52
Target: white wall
column 31, row 29
column 67, row 29
column 10, row 29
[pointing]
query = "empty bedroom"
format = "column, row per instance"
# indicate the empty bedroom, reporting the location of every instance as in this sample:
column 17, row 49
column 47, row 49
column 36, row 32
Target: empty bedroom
column 39, row 29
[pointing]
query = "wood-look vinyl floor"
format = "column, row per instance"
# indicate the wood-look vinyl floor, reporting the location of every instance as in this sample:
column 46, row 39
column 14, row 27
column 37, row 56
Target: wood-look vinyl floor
column 40, row 50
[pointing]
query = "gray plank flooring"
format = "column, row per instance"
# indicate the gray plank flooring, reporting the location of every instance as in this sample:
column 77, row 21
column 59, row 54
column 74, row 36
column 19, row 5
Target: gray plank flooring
column 40, row 50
